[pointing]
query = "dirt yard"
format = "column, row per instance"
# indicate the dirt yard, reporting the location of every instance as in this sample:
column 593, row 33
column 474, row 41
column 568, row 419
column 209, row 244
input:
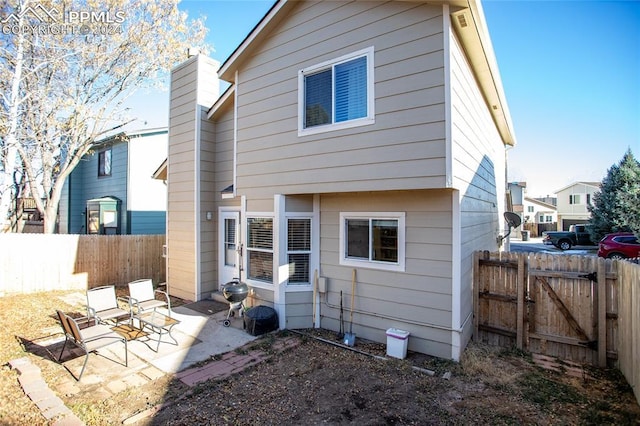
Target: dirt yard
column 320, row 383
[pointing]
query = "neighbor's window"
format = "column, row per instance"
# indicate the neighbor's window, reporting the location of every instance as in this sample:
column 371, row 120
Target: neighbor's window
column 299, row 249
column 104, row 163
column 337, row 94
column 372, row 240
column 260, row 249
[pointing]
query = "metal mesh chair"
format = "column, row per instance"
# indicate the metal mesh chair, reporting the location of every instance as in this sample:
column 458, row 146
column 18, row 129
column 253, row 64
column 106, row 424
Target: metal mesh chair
column 89, row 339
column 142, row 297
column 102, row 304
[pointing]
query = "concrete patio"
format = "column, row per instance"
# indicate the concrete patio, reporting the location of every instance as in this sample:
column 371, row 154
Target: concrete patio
column 200, row 335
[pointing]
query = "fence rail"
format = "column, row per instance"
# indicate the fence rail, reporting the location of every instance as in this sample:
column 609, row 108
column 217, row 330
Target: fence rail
column 580, row 308
column 43, row 262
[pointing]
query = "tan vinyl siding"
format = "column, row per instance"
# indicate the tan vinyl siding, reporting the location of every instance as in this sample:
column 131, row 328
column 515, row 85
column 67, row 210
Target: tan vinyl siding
column 299, row 308
column 223, row 168
column 404, row 149
column 209, row 195
column 181, row 261
column 193, row 90
column 417, row 300
column 478, row 156
column 221, row 174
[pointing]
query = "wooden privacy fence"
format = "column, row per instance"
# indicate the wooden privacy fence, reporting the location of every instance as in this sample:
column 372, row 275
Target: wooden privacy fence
column 580, row 308
column 43, row 262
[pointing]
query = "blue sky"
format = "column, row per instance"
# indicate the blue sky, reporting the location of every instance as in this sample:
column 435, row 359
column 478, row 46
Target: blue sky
column 570, row 70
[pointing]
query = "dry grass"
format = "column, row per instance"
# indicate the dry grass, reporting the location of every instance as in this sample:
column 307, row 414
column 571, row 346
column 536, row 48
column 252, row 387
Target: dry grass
column 489, row 385
column 26, row 318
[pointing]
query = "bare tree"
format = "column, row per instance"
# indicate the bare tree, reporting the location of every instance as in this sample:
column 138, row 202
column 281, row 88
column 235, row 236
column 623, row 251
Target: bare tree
column 73, row 77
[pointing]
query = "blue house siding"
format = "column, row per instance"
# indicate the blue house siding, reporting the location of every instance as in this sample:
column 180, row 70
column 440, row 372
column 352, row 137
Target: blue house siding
column 147, row 222
column 85, row 184
column 134, row 159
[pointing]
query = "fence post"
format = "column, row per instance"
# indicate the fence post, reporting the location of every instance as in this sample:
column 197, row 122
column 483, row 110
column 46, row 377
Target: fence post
column 520, row 310
column 476, row 290
column 602, row 313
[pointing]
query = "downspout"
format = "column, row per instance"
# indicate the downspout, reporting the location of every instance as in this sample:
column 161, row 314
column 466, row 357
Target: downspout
column 448, row 142
column 235, row 136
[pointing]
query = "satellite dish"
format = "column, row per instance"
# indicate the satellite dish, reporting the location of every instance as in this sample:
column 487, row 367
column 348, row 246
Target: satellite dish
column 513, row 219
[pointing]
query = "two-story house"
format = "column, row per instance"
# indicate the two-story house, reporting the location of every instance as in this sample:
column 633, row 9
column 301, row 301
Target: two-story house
column 539, row 216
column 572, row 203
column 366, row 136
column 112, row 190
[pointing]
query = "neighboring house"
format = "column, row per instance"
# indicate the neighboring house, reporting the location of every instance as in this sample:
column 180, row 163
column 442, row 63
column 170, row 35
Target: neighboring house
column 112, row 190
column 572, row 203
column 516, row 193
column 539, row 216
column 536, row 215
column 365, row 136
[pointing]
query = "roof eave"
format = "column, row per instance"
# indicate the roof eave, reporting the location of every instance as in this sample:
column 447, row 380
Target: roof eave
column 476, row 42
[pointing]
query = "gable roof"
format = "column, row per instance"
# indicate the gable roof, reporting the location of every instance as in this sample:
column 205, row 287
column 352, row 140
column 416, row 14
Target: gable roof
column 467, row 20
column 595, row 185
column 541, row 203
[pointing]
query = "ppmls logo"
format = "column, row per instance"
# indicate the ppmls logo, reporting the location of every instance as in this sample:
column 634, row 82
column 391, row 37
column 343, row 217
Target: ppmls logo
column 38, row 12
column 41, row 20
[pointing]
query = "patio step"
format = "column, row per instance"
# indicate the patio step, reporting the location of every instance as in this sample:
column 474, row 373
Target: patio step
column 218, row 297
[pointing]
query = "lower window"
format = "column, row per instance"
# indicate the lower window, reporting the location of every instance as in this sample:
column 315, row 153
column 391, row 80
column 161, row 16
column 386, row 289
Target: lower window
column 374, row 240
column 260, row 249
column 299, row 250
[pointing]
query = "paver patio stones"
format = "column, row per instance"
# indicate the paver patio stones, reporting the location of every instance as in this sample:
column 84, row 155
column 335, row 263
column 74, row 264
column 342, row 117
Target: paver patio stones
column 199, row 339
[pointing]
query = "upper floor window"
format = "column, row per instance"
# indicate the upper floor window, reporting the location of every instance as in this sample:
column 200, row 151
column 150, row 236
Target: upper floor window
column 104, row 163
column 574, row 199
column 336, row 94
column 530, row 209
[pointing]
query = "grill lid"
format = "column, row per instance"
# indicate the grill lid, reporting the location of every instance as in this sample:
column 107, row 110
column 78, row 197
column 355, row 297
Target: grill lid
column 235, row 291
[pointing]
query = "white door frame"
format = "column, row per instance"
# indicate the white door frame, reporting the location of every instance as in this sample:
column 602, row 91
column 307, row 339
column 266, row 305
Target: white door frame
column 226, row 272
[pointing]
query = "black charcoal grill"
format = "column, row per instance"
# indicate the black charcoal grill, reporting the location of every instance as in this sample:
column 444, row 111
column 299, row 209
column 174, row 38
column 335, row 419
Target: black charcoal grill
column 235, row 292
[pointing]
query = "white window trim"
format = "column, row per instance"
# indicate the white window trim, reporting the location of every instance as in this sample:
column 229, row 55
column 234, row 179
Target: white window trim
column 372, row 264
column 369, row 119
column 245, row 261
column 309, row 252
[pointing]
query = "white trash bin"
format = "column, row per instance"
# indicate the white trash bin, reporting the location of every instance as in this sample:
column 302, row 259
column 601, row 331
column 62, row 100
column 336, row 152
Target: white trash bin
column 397, row 342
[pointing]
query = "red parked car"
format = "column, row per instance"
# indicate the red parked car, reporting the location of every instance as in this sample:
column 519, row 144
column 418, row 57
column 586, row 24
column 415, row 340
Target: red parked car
column 620, row 245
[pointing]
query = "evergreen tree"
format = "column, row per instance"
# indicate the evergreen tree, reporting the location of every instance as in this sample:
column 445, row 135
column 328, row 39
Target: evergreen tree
column 616, row 207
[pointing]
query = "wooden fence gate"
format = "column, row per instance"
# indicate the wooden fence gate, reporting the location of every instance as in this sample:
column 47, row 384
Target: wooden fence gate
column 560, row 306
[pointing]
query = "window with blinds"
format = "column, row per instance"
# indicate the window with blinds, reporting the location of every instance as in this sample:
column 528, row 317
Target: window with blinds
column 260, row 249
column 230, row 253
column 337, row 94
column 299, row 249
